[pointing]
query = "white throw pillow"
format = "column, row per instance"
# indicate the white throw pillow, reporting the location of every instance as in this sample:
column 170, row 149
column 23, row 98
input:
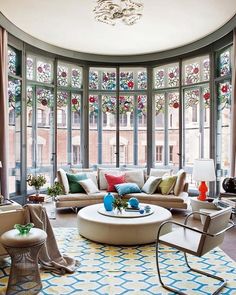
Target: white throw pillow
column 135, row 176
column 101, row 176
column 63, row 180
column 151, row 184
column 89, row 186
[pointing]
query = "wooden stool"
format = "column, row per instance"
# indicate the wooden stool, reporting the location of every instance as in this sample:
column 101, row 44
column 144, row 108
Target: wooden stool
column 23, row 249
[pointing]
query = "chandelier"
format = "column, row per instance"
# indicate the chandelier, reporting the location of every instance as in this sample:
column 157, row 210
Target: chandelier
column 109, row 11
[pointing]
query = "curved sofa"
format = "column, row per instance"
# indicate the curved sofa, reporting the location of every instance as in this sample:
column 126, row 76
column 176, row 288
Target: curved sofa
column 78, row 200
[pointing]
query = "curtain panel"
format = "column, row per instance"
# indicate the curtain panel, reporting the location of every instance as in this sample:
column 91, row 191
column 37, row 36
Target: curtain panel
column 4, row 113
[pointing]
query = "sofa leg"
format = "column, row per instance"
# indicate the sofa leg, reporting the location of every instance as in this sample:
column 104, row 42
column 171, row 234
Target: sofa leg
column 75, row 209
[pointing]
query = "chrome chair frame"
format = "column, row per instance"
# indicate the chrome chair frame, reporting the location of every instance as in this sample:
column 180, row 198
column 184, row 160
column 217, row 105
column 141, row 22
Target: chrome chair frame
column 184, row 225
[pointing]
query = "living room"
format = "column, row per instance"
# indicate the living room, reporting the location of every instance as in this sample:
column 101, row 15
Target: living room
column 126, row 94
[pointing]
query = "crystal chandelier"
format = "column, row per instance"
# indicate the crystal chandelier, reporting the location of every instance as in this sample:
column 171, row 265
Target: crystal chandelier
column 109, row 11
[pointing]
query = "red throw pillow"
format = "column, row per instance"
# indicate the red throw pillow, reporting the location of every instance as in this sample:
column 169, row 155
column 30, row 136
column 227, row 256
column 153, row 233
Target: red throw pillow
column 112, row 180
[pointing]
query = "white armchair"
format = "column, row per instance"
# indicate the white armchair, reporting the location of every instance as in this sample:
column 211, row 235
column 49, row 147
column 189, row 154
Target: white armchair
column 194, row 241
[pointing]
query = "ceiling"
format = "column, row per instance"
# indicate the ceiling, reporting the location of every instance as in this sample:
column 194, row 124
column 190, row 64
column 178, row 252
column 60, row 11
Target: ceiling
column 165, row 24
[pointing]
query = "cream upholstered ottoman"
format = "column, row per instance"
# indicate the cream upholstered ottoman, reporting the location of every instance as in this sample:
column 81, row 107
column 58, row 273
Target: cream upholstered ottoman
column 119, row 230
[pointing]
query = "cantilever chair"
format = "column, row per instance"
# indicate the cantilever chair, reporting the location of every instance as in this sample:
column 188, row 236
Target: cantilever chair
column 194, row 241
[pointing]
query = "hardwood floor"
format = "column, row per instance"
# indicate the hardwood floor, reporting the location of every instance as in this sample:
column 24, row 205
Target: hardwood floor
column 67, row 218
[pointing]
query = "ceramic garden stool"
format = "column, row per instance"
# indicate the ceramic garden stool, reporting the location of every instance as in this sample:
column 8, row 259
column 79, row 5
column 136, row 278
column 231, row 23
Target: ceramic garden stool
column 23, row 249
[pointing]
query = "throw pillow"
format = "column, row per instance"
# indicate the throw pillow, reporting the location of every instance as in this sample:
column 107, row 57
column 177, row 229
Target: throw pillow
column 89, row 186
column 135, row 176
column 101, row 176
column 167, row 184
column 127, row 188
column 151, row 184
column 74, row 185
column 62, row 178
column 160, row 172
column 180, row 182
column 112, row 180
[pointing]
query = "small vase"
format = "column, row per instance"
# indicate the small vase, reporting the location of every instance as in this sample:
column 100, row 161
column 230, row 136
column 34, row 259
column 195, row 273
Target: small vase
column 37, row 192
column 108, row 201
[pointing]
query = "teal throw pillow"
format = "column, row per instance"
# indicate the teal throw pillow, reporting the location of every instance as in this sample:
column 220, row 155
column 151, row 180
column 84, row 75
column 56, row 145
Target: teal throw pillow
column 127, row 188
column 73, row 180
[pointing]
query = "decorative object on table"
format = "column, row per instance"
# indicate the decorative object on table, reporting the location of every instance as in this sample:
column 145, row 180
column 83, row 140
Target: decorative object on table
column 37, row 181
column 147, row 208
column 109, row 12
column 141, row 210
column 134, row 203
column 119, row 204
column 203, row 170
column 55, row 190
column 24, row 229
column 229, row 185
column 108, row 201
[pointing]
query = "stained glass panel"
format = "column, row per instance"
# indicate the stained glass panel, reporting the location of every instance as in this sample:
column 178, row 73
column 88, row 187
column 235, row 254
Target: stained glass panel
column 109, row 80
column 173, row 98
column 76, row 77
column 62, row 75
column 224, row 95
column 224, row 63
column 30, row 68
column 62, row 98
column 142, row 80
column 159, row 78
column 159, row 102
column 173, row 76
column 142, row 105
column 44, row 72
column 12, row 61
column 126, row 104
column 206, row 69
column 206, row 96
column 14, row 92
column 75, row 102
column 192, row 73
column 93, row 105
column 93, row 79
column 109, row 104
column 126, row 80
column 191, row 97
column 44, row 97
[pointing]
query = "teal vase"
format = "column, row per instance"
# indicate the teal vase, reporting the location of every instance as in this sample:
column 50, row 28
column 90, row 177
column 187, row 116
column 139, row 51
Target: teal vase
column 108, row 201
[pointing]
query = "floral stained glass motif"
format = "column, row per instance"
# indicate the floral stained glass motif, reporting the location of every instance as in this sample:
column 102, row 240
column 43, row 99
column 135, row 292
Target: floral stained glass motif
column 93, row 104
column 224, row 95
column 75, row 102
column 206, row 69
column 142, row 80
column 29, row 96
column 44, row 72
column 30, row 68
column 93, row 80
column 126, row 104
column 76, row 77
column 192, row 73
column 109, row 104
column 173, row 76
column 12, row 60
column 142, row 105
column 173, row 98
column 62, row 98
column 159, row 103
column 126, row 80
column 159, row 78
column 14, row 91
column 224, row 63
column 44, row 97
column 191, row 97
column 206, row 96
column 62, row 75
column 109, row 80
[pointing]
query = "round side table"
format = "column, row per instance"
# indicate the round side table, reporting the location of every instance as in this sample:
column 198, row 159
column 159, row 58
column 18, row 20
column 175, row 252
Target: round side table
column 23, row 249
column 197, row 205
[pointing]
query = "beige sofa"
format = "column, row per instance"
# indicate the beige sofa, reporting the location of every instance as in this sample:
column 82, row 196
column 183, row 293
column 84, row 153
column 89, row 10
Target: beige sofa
column 78, row 200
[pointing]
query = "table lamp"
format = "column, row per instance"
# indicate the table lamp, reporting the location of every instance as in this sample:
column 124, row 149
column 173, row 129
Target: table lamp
column 203, row 170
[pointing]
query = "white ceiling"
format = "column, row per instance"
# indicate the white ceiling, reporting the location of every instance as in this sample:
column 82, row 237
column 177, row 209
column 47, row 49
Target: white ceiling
column 164, row 25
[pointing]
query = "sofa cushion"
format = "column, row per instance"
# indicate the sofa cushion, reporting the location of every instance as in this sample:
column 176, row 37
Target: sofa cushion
column 180, row 182
column 89, row 186
column 160, row 172
column 135, row 176
column 167, row 184
column 112, row 180
column 102, row 182
column 151, row 184
column 62, row 178
column 74, row 184
column 127, row 188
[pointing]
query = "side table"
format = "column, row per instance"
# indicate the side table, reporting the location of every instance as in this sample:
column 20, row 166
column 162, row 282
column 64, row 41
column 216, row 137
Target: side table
column 197, row 205
column 23, row 249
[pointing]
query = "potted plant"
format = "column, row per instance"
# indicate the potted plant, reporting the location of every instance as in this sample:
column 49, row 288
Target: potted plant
column 55, row 190
column 119, row 204
column 37, row 181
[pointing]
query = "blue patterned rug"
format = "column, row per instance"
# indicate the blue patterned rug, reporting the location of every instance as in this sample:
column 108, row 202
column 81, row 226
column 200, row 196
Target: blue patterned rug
column 110, row 270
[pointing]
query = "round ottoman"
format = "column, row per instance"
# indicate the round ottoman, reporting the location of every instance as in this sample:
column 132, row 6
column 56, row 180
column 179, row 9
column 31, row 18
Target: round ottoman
column 121, row 231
